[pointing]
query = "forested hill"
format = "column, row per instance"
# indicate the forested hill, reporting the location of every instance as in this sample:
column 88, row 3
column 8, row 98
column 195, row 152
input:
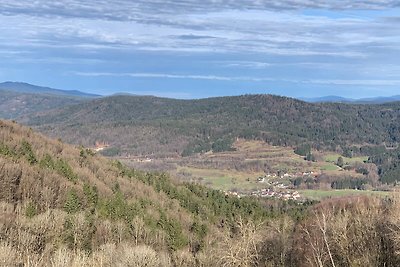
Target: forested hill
column 148, row 125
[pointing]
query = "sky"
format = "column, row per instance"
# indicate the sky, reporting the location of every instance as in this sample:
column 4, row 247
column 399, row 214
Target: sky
column 207, row 48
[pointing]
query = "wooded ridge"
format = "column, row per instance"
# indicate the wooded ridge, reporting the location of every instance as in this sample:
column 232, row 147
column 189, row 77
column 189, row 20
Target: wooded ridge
column 161, row 127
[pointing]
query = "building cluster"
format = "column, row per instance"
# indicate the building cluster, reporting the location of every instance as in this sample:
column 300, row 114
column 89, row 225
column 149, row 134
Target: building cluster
column 281, row 194
column 232, row 193
column 267, row 177
column 100, row 145
column 277, row 184
column 142, row 160
column 269, row 193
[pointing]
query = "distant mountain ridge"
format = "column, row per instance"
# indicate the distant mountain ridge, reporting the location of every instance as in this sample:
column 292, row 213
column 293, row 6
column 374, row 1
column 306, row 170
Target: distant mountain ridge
column 339, row 99
column 20, row 99
column 34, row 89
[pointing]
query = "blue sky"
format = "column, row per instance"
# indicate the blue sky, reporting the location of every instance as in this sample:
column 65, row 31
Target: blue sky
column 196, row 49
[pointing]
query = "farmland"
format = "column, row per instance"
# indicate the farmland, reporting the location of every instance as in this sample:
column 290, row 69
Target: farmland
column 254, row 165
column 323, row 194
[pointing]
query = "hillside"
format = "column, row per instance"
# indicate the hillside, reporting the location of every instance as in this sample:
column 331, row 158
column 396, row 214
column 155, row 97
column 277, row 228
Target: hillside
column 197, row 123
column 62, row 204
column 150, row 125
column 66, row 206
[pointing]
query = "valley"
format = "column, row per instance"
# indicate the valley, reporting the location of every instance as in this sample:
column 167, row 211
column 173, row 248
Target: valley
column 63, row 203
column 255, row 165
column 167, row 182
column 228, row 143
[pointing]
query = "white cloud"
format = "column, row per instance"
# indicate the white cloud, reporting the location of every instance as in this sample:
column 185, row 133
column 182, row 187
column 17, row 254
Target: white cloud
column 173, row 76
column 267, row 32
column 244, row 64
column 133, row 10
column 349, row 82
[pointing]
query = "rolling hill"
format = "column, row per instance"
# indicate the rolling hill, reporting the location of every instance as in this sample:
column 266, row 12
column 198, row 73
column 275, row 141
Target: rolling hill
column 150, row 125
column 161, row 127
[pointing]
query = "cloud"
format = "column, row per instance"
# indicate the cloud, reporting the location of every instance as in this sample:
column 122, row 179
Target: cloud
column 193, row 37
column 263, row 32
column 127, row 10
column 173, row 76
column 348, row 82
column 244, row 64
column 209, row 25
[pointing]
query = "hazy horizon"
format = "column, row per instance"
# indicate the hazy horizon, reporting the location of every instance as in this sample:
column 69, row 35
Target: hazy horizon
column 116, row 92
column 192, row 49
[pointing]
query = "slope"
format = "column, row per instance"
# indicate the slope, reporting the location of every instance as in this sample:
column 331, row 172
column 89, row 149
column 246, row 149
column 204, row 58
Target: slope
column 61, row 204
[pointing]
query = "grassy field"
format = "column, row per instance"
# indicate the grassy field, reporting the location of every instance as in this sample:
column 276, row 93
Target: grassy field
column 225, row 179
column 239, row 170
column 334, row 157
column 329, row 167
column 321, row 194
column 226, row 175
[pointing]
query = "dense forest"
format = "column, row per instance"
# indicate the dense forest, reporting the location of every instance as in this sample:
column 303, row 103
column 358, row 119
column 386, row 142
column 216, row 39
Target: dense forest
column 67, row 206
column 213, row 122
column 144, row 125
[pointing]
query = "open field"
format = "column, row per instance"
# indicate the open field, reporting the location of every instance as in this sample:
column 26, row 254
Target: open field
column 239, row 170
column 322, row 194
column 227, row 180
column 329, row 167
column 334, row 157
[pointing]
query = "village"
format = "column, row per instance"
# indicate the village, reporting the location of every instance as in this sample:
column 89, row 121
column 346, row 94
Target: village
column 277, row 185
column 269, row 193
column 277, row 193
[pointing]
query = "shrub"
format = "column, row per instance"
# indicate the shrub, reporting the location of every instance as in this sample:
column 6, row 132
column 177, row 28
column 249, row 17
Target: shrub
column 303, row 150
column 63, row 168
column 26, row 149
column 30, row 210
column 72, row 203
